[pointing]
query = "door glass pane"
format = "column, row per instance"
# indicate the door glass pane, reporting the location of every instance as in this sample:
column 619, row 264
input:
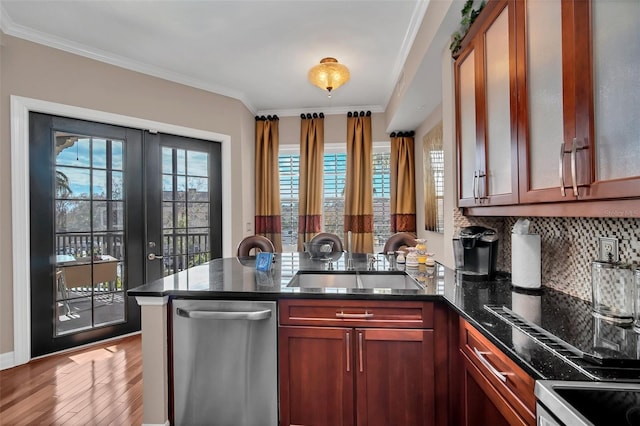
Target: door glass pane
column 544, row 80
column 498, row 106
column 616, row 59
column 186, row 231
column 89, row 233
column 467, row 92
column 198, row 189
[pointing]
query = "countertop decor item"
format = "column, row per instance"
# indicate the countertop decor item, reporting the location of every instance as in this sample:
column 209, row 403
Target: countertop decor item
column 329, row 74
column 421, row 249
column 412, row 258
column 320, row 251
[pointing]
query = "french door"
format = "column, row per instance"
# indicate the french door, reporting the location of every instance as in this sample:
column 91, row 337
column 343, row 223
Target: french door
column 100, row 199
column 184, row 203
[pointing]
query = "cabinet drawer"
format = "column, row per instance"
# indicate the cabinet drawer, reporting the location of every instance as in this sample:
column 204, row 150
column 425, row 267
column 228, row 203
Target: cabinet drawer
column 356, row 313
column 513, row 383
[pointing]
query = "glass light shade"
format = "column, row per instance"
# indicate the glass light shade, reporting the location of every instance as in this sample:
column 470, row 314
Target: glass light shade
column 329, row 74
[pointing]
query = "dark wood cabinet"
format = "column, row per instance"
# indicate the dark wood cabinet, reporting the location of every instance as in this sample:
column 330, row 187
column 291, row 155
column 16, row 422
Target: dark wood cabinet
column 485, row 78
column 494, row 388
column 394, row 377
column 358, row 374
column 574, row 135
column 316, row 376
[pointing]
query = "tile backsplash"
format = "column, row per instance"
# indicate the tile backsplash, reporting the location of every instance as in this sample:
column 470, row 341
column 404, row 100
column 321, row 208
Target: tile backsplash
column 569, row 245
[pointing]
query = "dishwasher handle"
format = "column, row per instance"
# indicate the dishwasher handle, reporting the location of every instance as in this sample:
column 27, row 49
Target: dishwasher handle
column 225, row 315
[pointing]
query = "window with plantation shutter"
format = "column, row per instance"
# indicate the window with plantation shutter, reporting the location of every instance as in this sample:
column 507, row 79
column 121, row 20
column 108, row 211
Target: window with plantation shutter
column 289, row 166
column 333, row 201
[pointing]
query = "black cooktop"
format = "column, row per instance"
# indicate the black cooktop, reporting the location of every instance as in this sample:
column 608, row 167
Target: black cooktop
column 605, row 407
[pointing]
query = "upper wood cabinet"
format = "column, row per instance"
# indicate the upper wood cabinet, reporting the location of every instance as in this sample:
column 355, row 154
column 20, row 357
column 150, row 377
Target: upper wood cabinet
column 573, row 117
column 485, row 110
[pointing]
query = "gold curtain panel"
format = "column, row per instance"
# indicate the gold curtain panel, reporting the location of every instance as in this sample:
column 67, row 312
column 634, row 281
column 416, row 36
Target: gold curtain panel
column 311, row 177
column 358, row 206
column 403, row 183
column 267, row 181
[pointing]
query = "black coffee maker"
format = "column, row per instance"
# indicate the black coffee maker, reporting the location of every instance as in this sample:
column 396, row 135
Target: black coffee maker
column 476, row 252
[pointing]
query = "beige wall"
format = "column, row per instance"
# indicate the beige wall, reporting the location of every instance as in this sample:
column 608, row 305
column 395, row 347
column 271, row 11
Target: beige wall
column 335, row 129
column 35, row 71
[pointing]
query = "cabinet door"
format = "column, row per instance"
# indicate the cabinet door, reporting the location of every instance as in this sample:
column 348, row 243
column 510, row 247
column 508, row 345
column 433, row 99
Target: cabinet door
column 542, row 132
column 482, row 403
column 608, row 104
column 394, row 377
column 465, row 76
column 486, row 108
column 498, row 179
column 580, row 139
column 316, row 376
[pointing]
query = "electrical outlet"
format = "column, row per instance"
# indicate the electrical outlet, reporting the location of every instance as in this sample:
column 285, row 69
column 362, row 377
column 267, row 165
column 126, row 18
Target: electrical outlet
column 606, row 246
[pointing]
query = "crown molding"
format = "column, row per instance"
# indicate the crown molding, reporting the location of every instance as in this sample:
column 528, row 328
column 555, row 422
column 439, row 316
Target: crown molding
column 11, row 28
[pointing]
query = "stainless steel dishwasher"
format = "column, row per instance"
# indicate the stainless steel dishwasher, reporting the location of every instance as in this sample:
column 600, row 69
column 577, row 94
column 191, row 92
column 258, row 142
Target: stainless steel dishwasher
column 224, row 363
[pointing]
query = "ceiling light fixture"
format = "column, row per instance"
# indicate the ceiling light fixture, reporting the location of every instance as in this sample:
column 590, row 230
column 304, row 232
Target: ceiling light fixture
column 329, row 74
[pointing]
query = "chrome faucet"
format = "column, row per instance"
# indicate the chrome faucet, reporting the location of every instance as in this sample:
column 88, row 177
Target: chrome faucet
column 371, row 262
column 349, row 257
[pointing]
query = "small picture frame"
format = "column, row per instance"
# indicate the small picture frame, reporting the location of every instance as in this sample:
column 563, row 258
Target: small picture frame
column 264, row 261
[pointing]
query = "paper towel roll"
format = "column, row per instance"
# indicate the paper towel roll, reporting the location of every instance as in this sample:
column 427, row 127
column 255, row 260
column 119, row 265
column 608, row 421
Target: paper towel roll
column 525, row 260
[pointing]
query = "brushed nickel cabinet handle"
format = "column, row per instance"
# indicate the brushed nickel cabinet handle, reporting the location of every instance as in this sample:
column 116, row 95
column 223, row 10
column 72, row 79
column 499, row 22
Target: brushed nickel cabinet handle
column 482, row 189
column 562, row 191
column 473, row 187
column 499, row 375
column 348, row 346
column 366, row 314
column 574, row 182
column 360, row 351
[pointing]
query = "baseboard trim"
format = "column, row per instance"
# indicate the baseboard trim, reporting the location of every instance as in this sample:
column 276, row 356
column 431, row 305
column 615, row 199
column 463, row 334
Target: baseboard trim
column 7, row 360
column 157, row 424
column 87, row 345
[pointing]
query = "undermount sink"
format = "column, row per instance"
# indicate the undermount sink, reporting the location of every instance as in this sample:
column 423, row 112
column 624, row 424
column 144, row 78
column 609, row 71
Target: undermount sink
column 353, row 279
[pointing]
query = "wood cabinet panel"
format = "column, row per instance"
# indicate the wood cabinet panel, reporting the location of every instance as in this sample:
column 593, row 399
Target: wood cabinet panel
column 316, row 376
column 354, row 313
column 508, row 380
column 482, row 403
column 395, row 377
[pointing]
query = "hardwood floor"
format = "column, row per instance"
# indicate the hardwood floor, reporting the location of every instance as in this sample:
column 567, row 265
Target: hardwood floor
column 100, row 385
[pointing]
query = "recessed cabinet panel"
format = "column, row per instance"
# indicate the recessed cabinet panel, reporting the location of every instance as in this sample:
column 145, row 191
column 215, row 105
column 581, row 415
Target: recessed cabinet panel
column 544, row 80
column 616, row 57
column 498, row 100
column 467, row 99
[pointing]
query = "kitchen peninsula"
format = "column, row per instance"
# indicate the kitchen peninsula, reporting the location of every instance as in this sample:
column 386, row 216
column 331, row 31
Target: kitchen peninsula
column 455, row 315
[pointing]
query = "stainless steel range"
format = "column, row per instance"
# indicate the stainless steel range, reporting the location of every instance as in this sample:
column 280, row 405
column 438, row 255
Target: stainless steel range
column 567, row 403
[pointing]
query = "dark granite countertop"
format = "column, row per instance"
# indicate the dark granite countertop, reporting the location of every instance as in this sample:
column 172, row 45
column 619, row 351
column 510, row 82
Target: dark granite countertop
column 565, row 317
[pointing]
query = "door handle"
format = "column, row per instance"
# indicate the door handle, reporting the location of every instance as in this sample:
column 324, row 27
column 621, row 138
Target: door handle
column 153, row 256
